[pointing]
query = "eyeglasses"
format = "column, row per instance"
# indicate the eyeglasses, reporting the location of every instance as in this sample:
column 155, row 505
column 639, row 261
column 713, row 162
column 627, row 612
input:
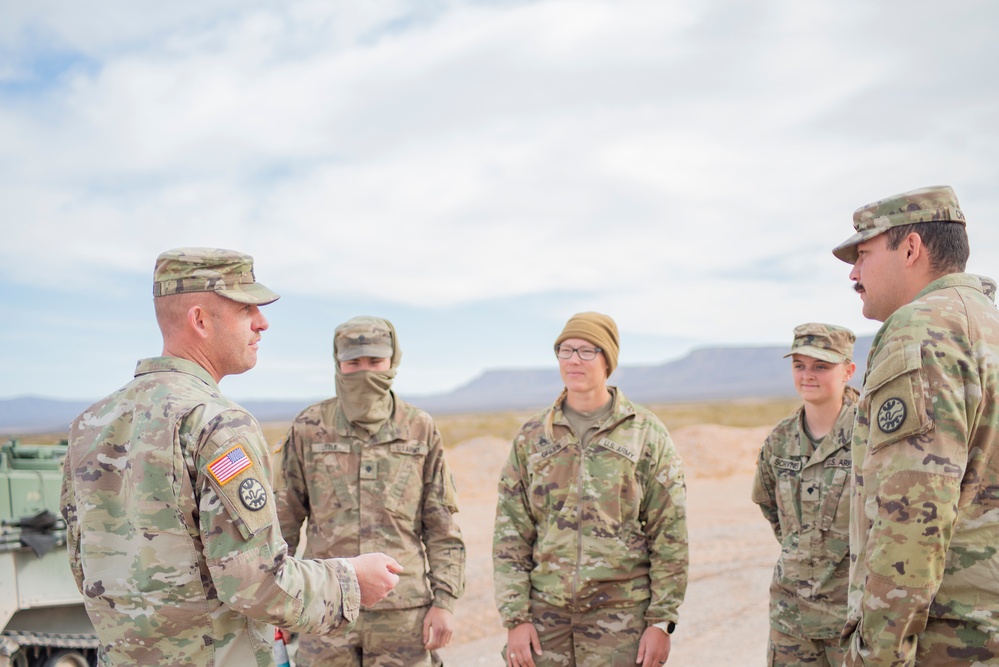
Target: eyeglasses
column 585, row 353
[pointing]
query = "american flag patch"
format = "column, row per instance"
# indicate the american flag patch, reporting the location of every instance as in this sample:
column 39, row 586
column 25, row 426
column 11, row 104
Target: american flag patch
column 229, row 464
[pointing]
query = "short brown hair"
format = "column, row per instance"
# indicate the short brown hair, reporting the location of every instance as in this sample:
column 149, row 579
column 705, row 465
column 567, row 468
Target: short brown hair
column 946, row 242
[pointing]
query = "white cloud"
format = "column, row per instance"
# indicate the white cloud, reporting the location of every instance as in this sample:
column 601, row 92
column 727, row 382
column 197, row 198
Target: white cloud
column 683, row 165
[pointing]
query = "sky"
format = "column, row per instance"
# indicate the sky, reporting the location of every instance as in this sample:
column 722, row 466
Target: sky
column 476, row 172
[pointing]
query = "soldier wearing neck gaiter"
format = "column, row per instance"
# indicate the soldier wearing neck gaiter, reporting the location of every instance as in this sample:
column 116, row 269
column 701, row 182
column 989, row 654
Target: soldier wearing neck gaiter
column 366, row 468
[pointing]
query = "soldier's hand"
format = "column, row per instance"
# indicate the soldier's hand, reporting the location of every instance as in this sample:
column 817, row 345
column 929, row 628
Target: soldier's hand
column 377, row 575
column 438, row 626
column 519, row 643
column 653, row 649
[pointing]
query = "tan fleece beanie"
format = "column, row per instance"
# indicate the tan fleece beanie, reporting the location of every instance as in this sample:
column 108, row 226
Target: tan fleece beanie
column 595, row 328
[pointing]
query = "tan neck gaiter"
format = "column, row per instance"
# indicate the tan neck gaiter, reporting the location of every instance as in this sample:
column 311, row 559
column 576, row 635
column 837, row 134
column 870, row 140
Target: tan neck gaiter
column 366, row 397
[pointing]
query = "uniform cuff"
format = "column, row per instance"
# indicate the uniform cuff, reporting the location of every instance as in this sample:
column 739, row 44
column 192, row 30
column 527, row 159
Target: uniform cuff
column 350, row 591
column 444, row 600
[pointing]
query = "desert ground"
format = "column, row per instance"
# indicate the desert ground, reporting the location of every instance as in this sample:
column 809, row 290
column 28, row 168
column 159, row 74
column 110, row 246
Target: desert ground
column 723, row 620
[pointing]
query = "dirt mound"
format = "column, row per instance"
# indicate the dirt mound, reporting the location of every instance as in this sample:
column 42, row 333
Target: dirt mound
column 710, row 451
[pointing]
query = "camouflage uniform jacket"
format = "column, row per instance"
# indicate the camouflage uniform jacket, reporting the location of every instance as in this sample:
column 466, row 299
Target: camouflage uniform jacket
column 175, row 567
column 600, row 528
column 804, row 494
column 390, row 492
column 925, row 503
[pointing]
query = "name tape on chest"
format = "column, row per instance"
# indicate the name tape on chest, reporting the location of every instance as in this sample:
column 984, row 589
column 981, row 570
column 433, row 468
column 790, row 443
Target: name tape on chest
column 551, row 450
column 230, row 464
column 331, row 447
column 793, row 465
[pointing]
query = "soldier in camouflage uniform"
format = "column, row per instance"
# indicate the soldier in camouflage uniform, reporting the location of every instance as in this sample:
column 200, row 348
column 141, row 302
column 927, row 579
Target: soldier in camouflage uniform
column 368, row 471
column 924, row 537
column 802, row 487
column 172, row 534
column 590, row 541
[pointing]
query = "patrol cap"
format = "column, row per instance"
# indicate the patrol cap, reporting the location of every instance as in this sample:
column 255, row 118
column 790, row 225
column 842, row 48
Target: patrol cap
column 827, row 342
column 934, row 204
column 363, row 336
column 226, row 272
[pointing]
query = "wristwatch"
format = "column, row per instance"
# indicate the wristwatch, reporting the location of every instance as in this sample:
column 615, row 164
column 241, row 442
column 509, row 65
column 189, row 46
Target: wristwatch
column 666, row 626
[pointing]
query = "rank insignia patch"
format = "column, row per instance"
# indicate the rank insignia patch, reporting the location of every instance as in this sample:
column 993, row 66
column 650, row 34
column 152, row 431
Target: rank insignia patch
column 229, row 464
column 891, row 415
column 252, row 494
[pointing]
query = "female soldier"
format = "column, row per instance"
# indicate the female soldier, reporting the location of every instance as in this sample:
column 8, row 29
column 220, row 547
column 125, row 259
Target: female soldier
column 590, row 541
column 801, row 481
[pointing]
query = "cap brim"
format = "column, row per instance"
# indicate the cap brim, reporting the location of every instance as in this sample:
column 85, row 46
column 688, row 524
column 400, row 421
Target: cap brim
column 254, row 293
column 358, row 351
column 847, row 250
column 819, row 353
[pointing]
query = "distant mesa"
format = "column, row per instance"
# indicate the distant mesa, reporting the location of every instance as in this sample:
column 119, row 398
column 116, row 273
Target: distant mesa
column 716, row 373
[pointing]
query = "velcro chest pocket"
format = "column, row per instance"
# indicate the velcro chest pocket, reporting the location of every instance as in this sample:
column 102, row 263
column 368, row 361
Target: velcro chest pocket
column 552, row 470
column 405, row 468
column 336, row 463
column 612, row 480
column 897, row 396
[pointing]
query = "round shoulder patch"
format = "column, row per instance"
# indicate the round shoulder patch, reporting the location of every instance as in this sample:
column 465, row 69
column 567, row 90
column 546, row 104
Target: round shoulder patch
column 252, row 494
column 891, row 415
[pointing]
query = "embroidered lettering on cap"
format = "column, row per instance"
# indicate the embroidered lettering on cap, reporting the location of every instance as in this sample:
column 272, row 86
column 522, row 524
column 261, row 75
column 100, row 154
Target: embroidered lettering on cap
column 252, row 494
column 230, row 464
column 891, row 415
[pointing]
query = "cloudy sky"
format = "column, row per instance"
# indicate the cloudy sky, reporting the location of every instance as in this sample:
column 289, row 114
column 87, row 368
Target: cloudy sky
column 474, row 171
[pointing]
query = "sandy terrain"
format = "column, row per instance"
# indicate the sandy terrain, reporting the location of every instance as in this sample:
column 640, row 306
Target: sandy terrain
column 723, row 620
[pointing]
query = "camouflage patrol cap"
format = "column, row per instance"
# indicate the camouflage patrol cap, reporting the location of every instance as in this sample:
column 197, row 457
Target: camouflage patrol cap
column 363, row 336
column 226, row 272
column 827, row 342
column 933, row 204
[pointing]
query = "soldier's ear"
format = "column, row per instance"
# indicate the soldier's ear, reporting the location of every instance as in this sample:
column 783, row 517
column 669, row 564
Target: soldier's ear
column 850, row 369
column 914, row 248
column 197, row 320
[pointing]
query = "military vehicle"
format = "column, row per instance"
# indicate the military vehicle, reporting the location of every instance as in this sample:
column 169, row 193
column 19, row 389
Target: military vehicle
column 42, row 619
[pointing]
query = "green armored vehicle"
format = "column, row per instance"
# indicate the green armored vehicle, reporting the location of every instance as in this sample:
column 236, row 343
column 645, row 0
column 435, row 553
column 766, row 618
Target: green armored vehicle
column 42, row 619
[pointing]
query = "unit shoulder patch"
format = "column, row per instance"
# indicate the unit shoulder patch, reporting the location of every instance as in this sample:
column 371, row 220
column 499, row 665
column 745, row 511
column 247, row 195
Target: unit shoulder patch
column 891, row 415
column 252, row 494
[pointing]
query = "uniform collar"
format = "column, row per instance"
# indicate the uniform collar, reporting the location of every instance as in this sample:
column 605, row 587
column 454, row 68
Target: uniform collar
column 175, row 365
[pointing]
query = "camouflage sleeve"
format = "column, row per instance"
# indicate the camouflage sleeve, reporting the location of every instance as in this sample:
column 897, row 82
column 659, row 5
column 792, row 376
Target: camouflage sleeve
column 664, row 515
column 764, row 484
column 247, row 558
column 917, row 454
column 67, row 507
column 441, row 534
column 514, row 535
column 292, row 497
